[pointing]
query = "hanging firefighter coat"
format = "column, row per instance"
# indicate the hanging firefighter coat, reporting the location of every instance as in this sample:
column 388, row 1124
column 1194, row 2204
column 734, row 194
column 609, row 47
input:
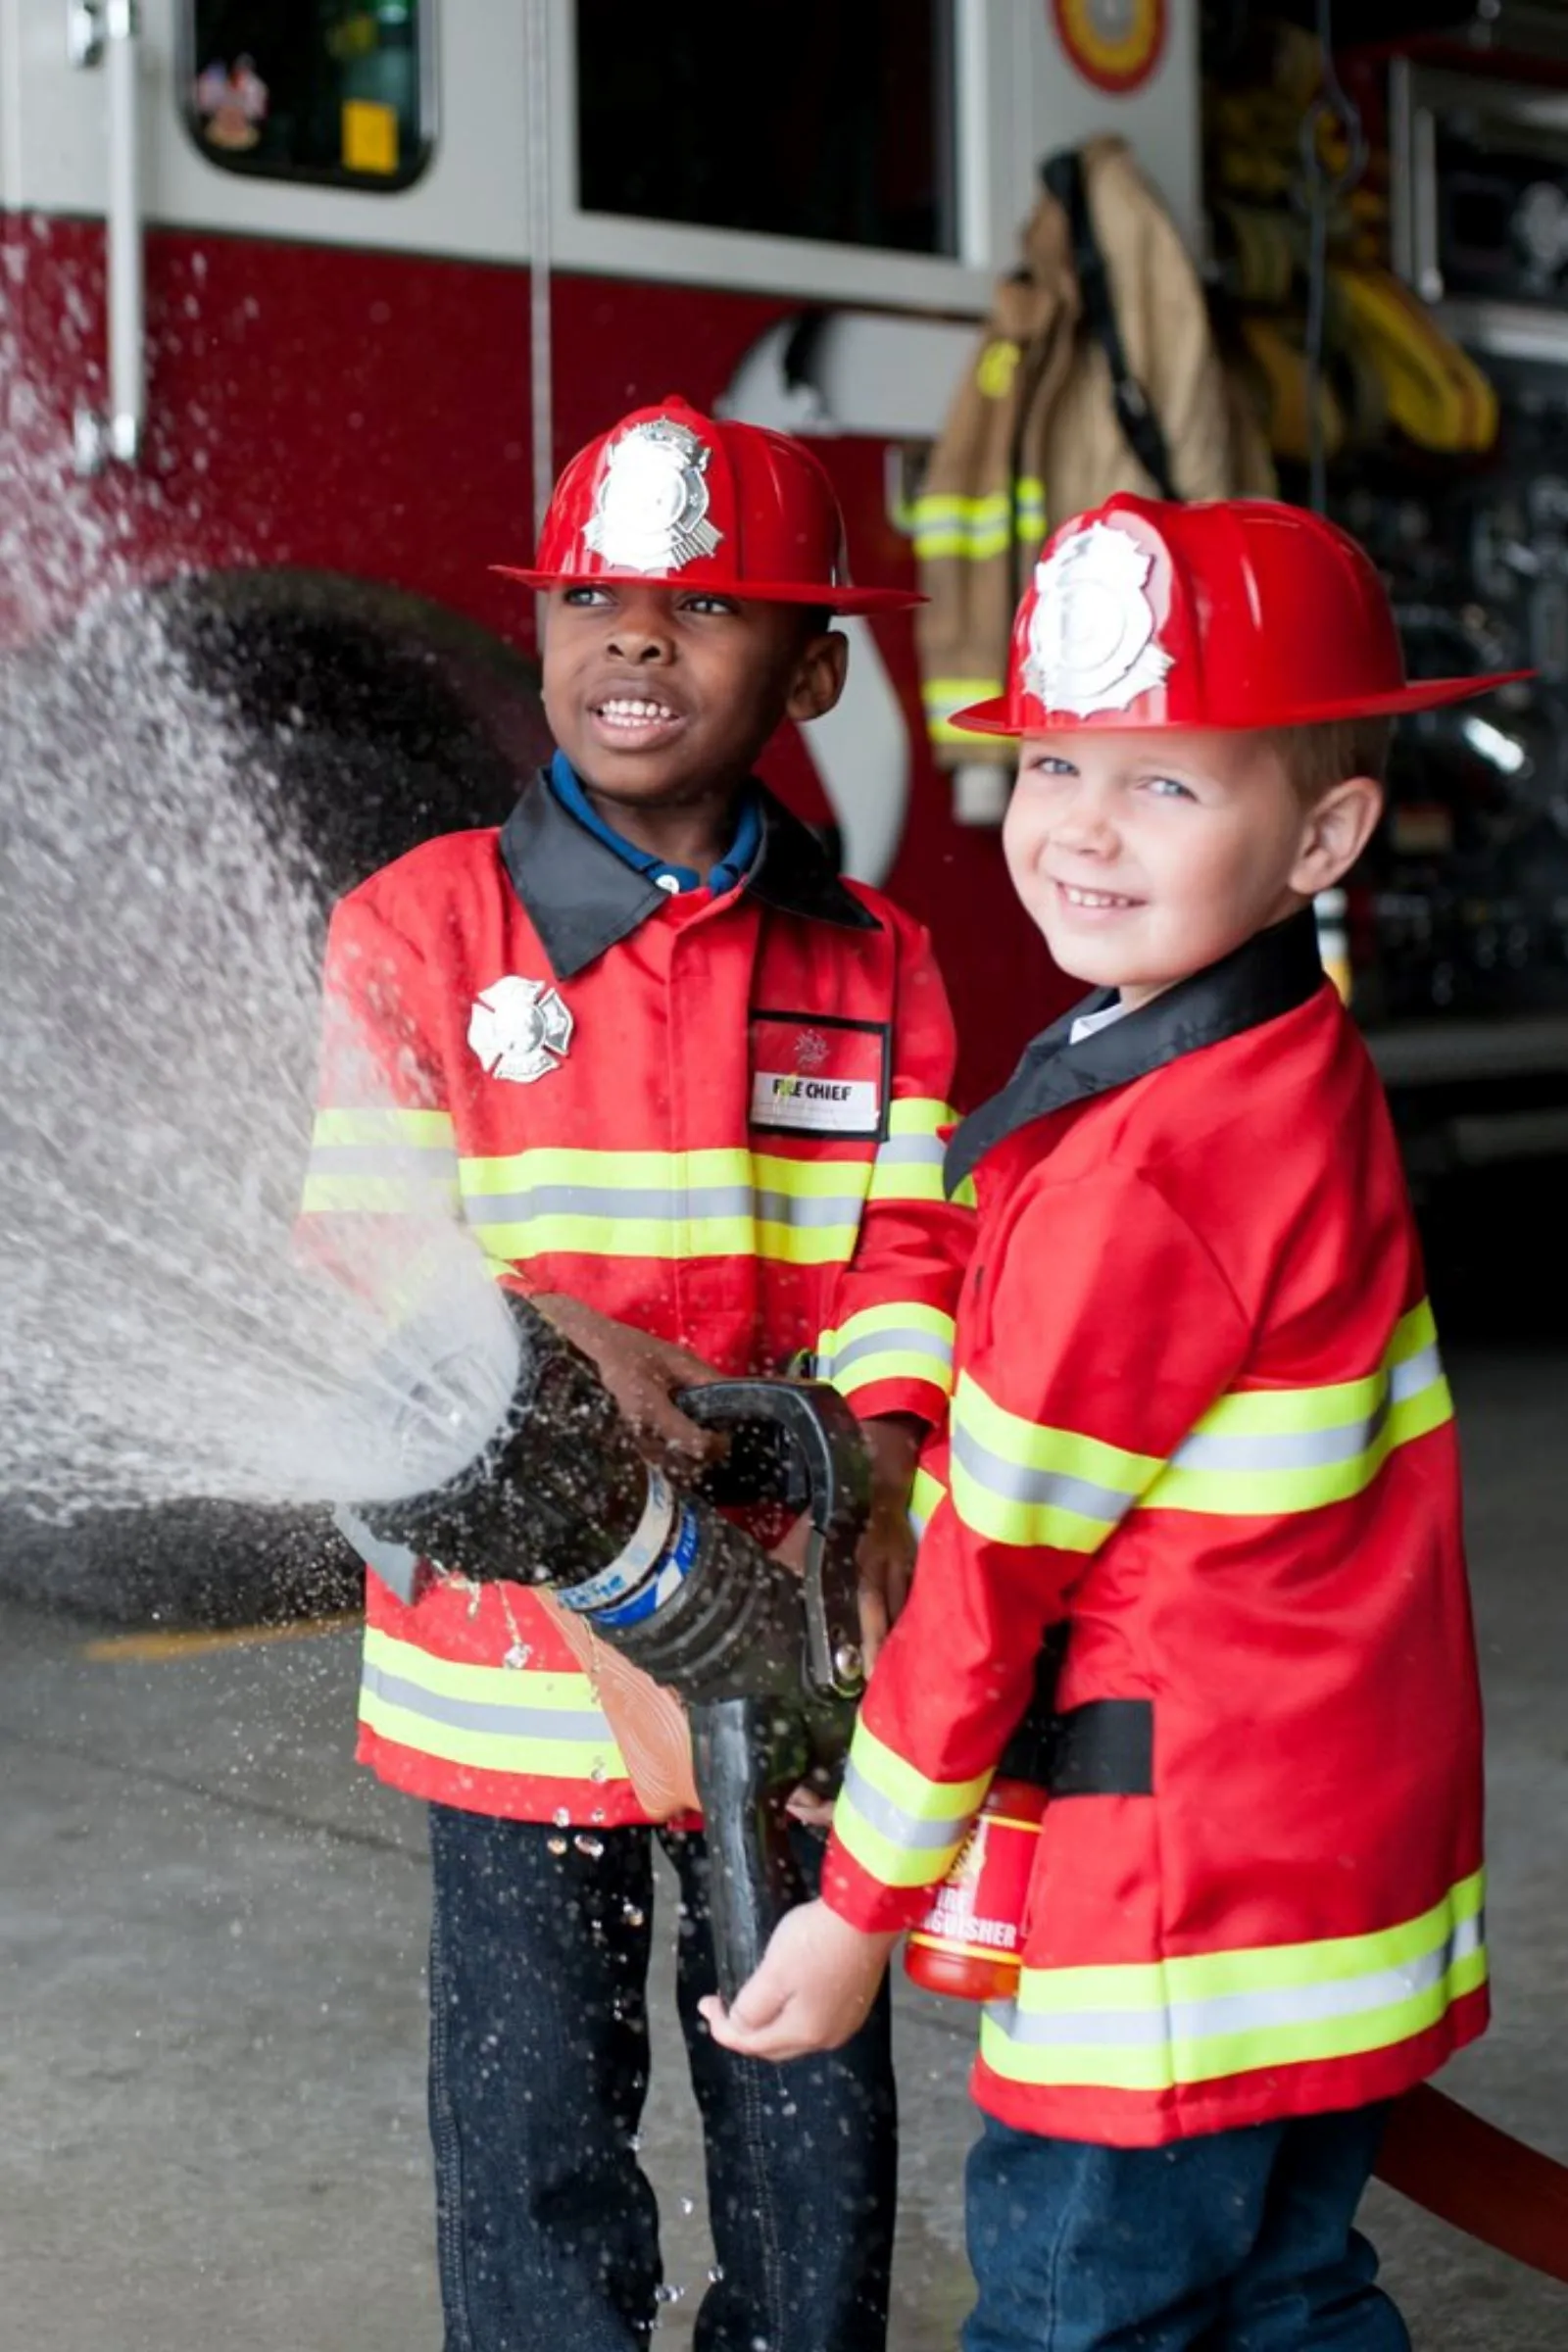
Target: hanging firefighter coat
column 721, row 1118
column 1043, row 425
column 1200, row 1427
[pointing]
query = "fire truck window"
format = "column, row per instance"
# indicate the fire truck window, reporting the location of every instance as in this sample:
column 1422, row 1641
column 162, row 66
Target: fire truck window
column 844, row 135
column 332, row 90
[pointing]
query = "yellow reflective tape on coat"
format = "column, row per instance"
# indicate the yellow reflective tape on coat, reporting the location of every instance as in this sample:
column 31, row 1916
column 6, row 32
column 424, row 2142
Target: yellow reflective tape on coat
column 381, row 1162
column 489, row 1718
column 901, row 1341
column 924, row 1496
column 902, row 1827
column 943, row 696
column 1196, row 2018
column 1021, row 1481
column 974, row 529
column 1271, row 1452
column 909, row 1160
column 664, row 1205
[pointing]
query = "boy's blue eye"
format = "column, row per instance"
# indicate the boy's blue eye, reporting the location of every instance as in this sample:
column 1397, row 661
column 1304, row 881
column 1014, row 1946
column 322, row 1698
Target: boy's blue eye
column 1167, row 787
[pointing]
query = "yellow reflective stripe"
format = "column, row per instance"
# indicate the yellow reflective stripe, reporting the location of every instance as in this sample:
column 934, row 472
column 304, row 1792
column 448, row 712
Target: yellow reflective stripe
column 492, row 1718
column 1257, row 1454
column 920, row 1115
column 1265, row 1452
column 428, row 1130
column 924, row 1496
column 943, row 696
column 378, row 1196
column 909, row 1163
column 903, row 1340
column 708, row 1204
column 380, row 1162
column 1193, row 2018
column 1021, row 1482
column 902, row 1827
column 631, row 1171
column 946, row 523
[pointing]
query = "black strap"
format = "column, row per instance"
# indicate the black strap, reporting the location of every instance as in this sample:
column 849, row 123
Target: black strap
column 1063, row 176
column 1103, row 1749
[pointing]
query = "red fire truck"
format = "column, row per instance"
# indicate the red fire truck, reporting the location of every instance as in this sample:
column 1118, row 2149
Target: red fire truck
column 303, row 303
column 312, row 298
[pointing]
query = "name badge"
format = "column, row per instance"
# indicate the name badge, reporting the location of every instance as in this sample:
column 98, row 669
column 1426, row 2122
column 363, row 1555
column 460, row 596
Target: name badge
column 813, row 1074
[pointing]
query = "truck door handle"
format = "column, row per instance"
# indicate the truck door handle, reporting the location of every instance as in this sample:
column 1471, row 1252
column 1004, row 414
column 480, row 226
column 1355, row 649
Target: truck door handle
column 108, row 33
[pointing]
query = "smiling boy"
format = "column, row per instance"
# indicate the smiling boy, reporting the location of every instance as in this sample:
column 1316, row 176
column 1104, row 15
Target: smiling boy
column 1200, row 1435
column 599, row 1018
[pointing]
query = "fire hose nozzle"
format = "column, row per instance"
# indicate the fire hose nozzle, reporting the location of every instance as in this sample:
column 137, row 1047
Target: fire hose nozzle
column 767, row 1662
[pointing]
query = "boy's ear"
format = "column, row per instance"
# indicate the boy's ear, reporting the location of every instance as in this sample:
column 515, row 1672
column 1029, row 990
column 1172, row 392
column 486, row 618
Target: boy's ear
column 819, row 675
column 1337, row 829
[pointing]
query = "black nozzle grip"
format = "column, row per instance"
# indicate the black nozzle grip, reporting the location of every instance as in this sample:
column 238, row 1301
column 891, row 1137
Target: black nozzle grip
column 743, row 1784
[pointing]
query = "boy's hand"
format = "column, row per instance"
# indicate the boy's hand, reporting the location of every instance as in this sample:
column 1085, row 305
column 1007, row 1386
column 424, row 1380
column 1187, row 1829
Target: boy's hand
column 812, row 1990
column 642, row 1374
column 886, row 1556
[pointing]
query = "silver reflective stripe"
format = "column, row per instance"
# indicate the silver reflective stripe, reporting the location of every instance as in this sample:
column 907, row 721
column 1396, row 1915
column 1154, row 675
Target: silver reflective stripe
column 1305, row 1449
column 903, row 1829
column 911, row 1151
column 889, row 1342
column 1316, row 1448
column 394, row 1563
column 1017, row 1482
column 665, row 1204
column 1423, row 1370
column 1240, row 2012
column 807, row 1208
column 475, row 1715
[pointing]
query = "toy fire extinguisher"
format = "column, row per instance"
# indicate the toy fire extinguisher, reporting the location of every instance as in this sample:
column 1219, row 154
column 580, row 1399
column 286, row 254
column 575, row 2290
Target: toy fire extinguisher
column 969, row 1943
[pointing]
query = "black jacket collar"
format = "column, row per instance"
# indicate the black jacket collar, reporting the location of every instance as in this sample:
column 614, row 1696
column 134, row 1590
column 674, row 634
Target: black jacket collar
column 582, row 899
column 1269, row 974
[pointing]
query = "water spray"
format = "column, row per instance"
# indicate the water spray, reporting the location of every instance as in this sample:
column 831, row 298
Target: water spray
column 767, row 1662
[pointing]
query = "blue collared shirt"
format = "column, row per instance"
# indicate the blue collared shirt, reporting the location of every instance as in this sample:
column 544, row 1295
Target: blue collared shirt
column 731, row 868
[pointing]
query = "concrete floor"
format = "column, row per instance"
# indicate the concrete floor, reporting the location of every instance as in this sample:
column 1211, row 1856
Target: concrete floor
column 211, row 1931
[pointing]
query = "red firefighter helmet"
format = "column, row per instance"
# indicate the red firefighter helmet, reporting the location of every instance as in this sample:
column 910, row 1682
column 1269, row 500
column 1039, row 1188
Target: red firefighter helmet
column 1238, row 612
column 674, row 499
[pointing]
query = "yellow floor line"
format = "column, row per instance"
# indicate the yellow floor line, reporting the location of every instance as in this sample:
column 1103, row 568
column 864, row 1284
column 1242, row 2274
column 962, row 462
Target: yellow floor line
column 116, row 1647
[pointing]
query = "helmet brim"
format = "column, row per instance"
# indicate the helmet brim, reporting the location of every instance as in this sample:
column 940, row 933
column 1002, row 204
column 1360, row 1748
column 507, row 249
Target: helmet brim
column 752, row 592
column 995, row 717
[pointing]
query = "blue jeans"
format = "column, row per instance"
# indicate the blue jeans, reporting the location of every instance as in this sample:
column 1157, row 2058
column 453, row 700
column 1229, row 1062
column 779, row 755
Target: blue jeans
column 547, row 2227
column 1238, row 2242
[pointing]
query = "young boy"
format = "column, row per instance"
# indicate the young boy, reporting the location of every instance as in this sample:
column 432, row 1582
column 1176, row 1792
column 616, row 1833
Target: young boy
column 692, row 1089
column 1201, row 1430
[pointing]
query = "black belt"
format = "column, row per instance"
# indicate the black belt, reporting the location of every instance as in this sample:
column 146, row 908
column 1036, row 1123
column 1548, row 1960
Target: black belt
column 1103, row 1749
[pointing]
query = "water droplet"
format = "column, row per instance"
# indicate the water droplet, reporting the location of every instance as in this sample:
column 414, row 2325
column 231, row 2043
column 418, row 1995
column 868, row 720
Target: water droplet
column 715, row 2276
column 633, row 1917
column 600, row 1772
column 593, row 1847
column 687, row 2205
column 557, row 1846
column 562, row 1818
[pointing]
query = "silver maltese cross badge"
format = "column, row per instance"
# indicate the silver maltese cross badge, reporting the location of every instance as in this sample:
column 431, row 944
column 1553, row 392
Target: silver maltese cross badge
column 651, row 507
column 520, row 1029
column 1091, row 635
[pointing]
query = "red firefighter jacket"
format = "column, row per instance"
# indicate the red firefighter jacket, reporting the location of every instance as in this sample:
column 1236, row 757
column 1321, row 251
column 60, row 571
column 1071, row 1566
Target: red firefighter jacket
column 1199, row 1428
column 719, row 1118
